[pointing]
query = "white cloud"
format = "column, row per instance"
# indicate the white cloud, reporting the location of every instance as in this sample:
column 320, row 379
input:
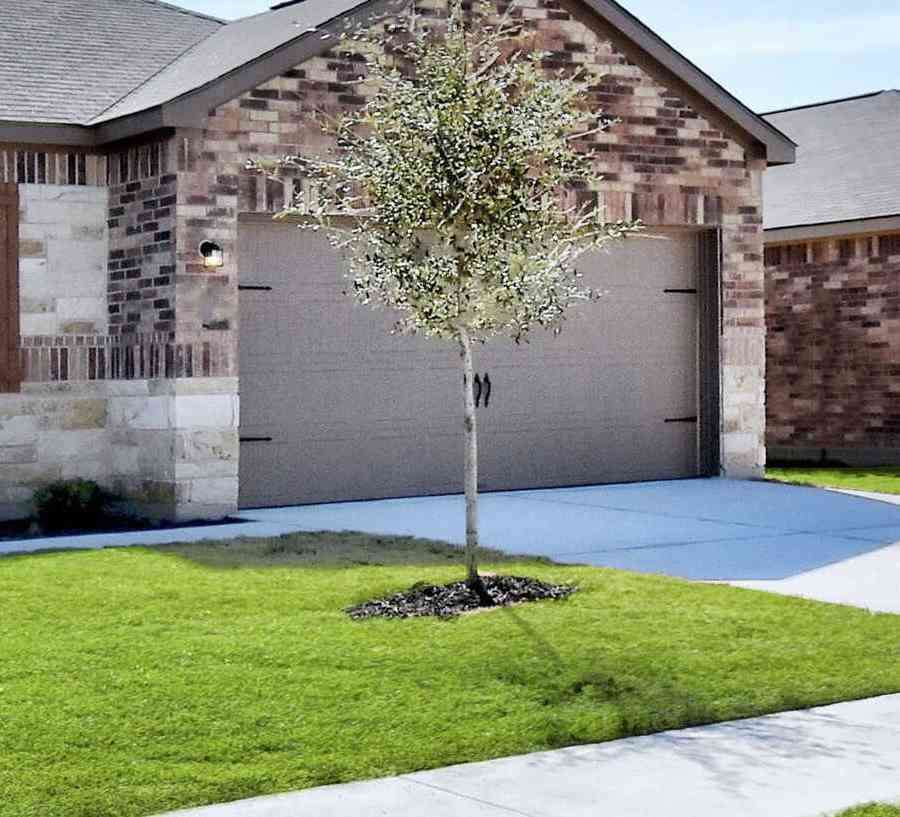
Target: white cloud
column 839, row 36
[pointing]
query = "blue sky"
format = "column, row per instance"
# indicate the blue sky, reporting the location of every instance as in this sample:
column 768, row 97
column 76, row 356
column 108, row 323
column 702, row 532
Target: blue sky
column 769, row 53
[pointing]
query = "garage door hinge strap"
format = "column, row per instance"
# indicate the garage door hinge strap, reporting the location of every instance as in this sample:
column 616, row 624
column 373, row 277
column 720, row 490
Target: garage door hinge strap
column 255, row 288
column 682, row 420
column 680, row 291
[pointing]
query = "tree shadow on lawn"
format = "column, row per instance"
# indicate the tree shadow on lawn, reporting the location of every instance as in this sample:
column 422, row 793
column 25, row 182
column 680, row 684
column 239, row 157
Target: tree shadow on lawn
column 621, row 688
column 330, row 549
column 735, row 753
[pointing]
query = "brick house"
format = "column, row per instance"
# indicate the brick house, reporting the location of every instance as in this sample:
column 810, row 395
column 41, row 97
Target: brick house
column 833, row 283
column 125, row 128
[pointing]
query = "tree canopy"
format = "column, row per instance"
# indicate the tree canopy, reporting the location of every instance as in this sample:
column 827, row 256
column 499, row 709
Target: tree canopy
column 455, row 174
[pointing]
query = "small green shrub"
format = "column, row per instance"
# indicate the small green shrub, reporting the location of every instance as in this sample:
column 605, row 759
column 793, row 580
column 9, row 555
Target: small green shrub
column 72, row 504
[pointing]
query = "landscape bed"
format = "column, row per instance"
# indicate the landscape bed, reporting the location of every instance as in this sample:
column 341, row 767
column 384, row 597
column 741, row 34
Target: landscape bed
column 136, row 681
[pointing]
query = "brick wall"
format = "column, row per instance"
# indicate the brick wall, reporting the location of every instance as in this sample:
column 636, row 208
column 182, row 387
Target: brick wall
column 142, row 255
column 663, row 163
column 833, row 311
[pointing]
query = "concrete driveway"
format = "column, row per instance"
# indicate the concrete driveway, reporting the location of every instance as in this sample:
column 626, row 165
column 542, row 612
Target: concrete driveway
column 787, row 539
column 705, row 529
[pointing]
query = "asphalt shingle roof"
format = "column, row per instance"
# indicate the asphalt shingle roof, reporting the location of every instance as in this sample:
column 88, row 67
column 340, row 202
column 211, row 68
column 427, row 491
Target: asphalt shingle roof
column 848, row 163
column 66, row 61
column 226, row 50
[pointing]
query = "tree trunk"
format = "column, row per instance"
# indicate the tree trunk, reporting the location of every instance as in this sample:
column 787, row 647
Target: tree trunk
column 471, row 465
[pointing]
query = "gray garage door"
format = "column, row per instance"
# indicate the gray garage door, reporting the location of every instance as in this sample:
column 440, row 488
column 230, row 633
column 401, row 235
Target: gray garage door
column 335, row 407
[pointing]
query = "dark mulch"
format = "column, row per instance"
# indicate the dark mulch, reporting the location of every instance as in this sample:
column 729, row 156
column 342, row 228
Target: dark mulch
column 452, row 599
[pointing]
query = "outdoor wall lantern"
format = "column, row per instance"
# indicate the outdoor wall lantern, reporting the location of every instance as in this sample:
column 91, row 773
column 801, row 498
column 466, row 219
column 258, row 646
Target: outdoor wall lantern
column 212, row 254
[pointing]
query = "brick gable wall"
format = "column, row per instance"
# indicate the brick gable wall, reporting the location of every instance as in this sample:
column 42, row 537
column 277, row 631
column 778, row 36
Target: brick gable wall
column 833, row 350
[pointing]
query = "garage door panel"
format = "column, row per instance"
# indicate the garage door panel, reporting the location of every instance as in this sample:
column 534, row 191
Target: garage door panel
column 601, row 393
column 669, row 392
column 531, row 457
column 355, row 412
column 677, row 440
column 670, row 257
column 551, row 395
column 349, row 467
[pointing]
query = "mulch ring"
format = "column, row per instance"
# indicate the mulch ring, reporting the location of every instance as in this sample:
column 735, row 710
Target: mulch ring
column 450, row 600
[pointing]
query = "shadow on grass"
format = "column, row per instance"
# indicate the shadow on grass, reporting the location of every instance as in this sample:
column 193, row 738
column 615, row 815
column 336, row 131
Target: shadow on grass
column 620, row 687
column 330, row 549
column 655, row 706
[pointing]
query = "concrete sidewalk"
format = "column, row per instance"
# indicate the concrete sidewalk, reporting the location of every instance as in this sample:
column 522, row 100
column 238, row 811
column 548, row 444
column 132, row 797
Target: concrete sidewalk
column 797, row 764
column 871, row 581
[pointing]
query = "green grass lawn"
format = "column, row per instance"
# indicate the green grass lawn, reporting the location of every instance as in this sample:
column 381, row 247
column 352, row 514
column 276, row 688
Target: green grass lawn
column 872, row 810
column 140, row 680
column 881, row 480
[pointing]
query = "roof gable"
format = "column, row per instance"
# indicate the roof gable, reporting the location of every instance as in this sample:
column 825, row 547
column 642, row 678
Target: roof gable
column 848, row 162
column 231, row 48
column 65, row 61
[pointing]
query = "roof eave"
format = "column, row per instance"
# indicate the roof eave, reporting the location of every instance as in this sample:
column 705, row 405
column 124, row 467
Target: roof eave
column 46, row 133
column 128, row 127
column 832, row 229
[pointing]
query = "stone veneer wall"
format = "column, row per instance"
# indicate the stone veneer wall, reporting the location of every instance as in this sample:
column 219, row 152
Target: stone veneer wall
column 834, row 348
column 168, row 448
column 49, row 432
column 663, row 163
column 62, row 260
column 174, row 446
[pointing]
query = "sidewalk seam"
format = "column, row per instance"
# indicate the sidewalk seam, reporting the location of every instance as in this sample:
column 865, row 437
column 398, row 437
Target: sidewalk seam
column 435, row 787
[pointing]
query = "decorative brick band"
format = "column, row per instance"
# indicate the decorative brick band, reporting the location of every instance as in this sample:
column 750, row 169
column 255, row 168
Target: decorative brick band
column 69, row 166
column 873, row 247
column 84, row 358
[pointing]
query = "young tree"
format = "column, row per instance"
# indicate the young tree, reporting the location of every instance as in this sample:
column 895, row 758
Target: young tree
column 455, row 177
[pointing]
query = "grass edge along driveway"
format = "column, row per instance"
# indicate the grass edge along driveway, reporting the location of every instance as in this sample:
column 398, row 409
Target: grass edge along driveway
column 884, row 480
column 137, row 681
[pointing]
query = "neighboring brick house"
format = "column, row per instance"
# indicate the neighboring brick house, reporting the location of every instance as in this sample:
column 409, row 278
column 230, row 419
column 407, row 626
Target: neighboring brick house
column 833, row 284
column 125, row 128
